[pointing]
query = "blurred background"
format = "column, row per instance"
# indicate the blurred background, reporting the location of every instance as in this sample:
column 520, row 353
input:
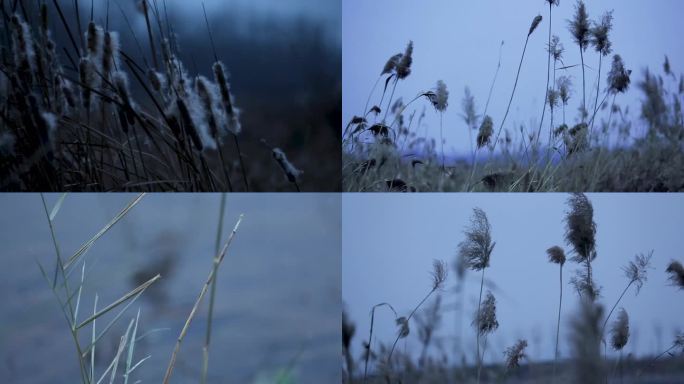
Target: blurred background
column 392, row 263
column 284, row 60
column 277, row 309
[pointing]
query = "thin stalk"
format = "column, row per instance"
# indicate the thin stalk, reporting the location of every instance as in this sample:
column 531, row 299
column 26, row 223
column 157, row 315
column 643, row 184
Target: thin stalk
column 205, row 287
column 394, row 87
column 212, row 294
column 548, row 75
column 479, row 366
column 389, row 357
column 479, row 303
column 441, row 138
column 584, row 96
column 560, row 304
column 598, row 89
column 242, row 164
column 615, row 305
column 512, row 93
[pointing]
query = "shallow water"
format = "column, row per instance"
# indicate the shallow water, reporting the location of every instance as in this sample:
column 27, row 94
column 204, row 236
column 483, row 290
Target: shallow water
column 278, row 289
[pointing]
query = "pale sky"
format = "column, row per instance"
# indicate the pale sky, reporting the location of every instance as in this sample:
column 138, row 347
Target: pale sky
column 458, row 42
column 390, row 240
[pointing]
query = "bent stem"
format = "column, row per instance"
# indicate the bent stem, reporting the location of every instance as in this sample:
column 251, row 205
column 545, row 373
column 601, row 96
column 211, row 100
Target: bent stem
column 512, row 93
column 389, row 357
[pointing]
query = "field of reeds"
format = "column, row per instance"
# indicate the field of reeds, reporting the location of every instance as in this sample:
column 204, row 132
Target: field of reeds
column 595, row 331
column 602, row 147
column 87, row 108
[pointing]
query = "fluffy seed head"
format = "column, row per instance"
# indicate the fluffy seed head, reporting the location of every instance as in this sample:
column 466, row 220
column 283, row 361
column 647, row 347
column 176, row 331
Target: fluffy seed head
column 477, row 246
column 440, row 97
column 439, row 274
column 619, row 332
column 552, row 98
column 232, row 113
column 535, row 23
column 676, row 272
column 618, row 77
column 485, row 133
column 579, row 25
column 636, row 270
column 580, row 230
column 515, row 354
column 404, row 65
column 599, row 34
column 391, row 64
column 556, row 255
column 94, row 40
column 291, row 172
column 485, row 321
column 556, row 48
column 564, row 84
column 110, row 56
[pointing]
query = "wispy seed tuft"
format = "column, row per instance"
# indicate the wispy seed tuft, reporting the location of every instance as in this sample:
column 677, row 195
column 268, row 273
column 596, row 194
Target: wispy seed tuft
column 676, row 272
column 556, row 255
column 620, row 331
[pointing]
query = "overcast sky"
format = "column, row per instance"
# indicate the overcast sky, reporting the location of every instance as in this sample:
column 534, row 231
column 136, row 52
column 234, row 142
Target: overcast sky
column 458, row 42
column 390, row 240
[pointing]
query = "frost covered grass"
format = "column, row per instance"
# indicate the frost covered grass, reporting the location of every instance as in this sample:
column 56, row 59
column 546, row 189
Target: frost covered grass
column 603, row 148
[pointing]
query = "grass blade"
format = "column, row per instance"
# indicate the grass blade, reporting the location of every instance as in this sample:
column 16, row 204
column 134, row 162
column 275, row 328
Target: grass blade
column 84, row 248
column 57, row 207
column 122, row 299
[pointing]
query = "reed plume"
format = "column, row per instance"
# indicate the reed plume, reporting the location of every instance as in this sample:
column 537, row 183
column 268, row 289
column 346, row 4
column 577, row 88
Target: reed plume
column 514, row 354
column 485, row 322
column 619, row 332
column 601, row 42
column 636, row 272
column 676, row 274
column 580, row 233
column 580, row 29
